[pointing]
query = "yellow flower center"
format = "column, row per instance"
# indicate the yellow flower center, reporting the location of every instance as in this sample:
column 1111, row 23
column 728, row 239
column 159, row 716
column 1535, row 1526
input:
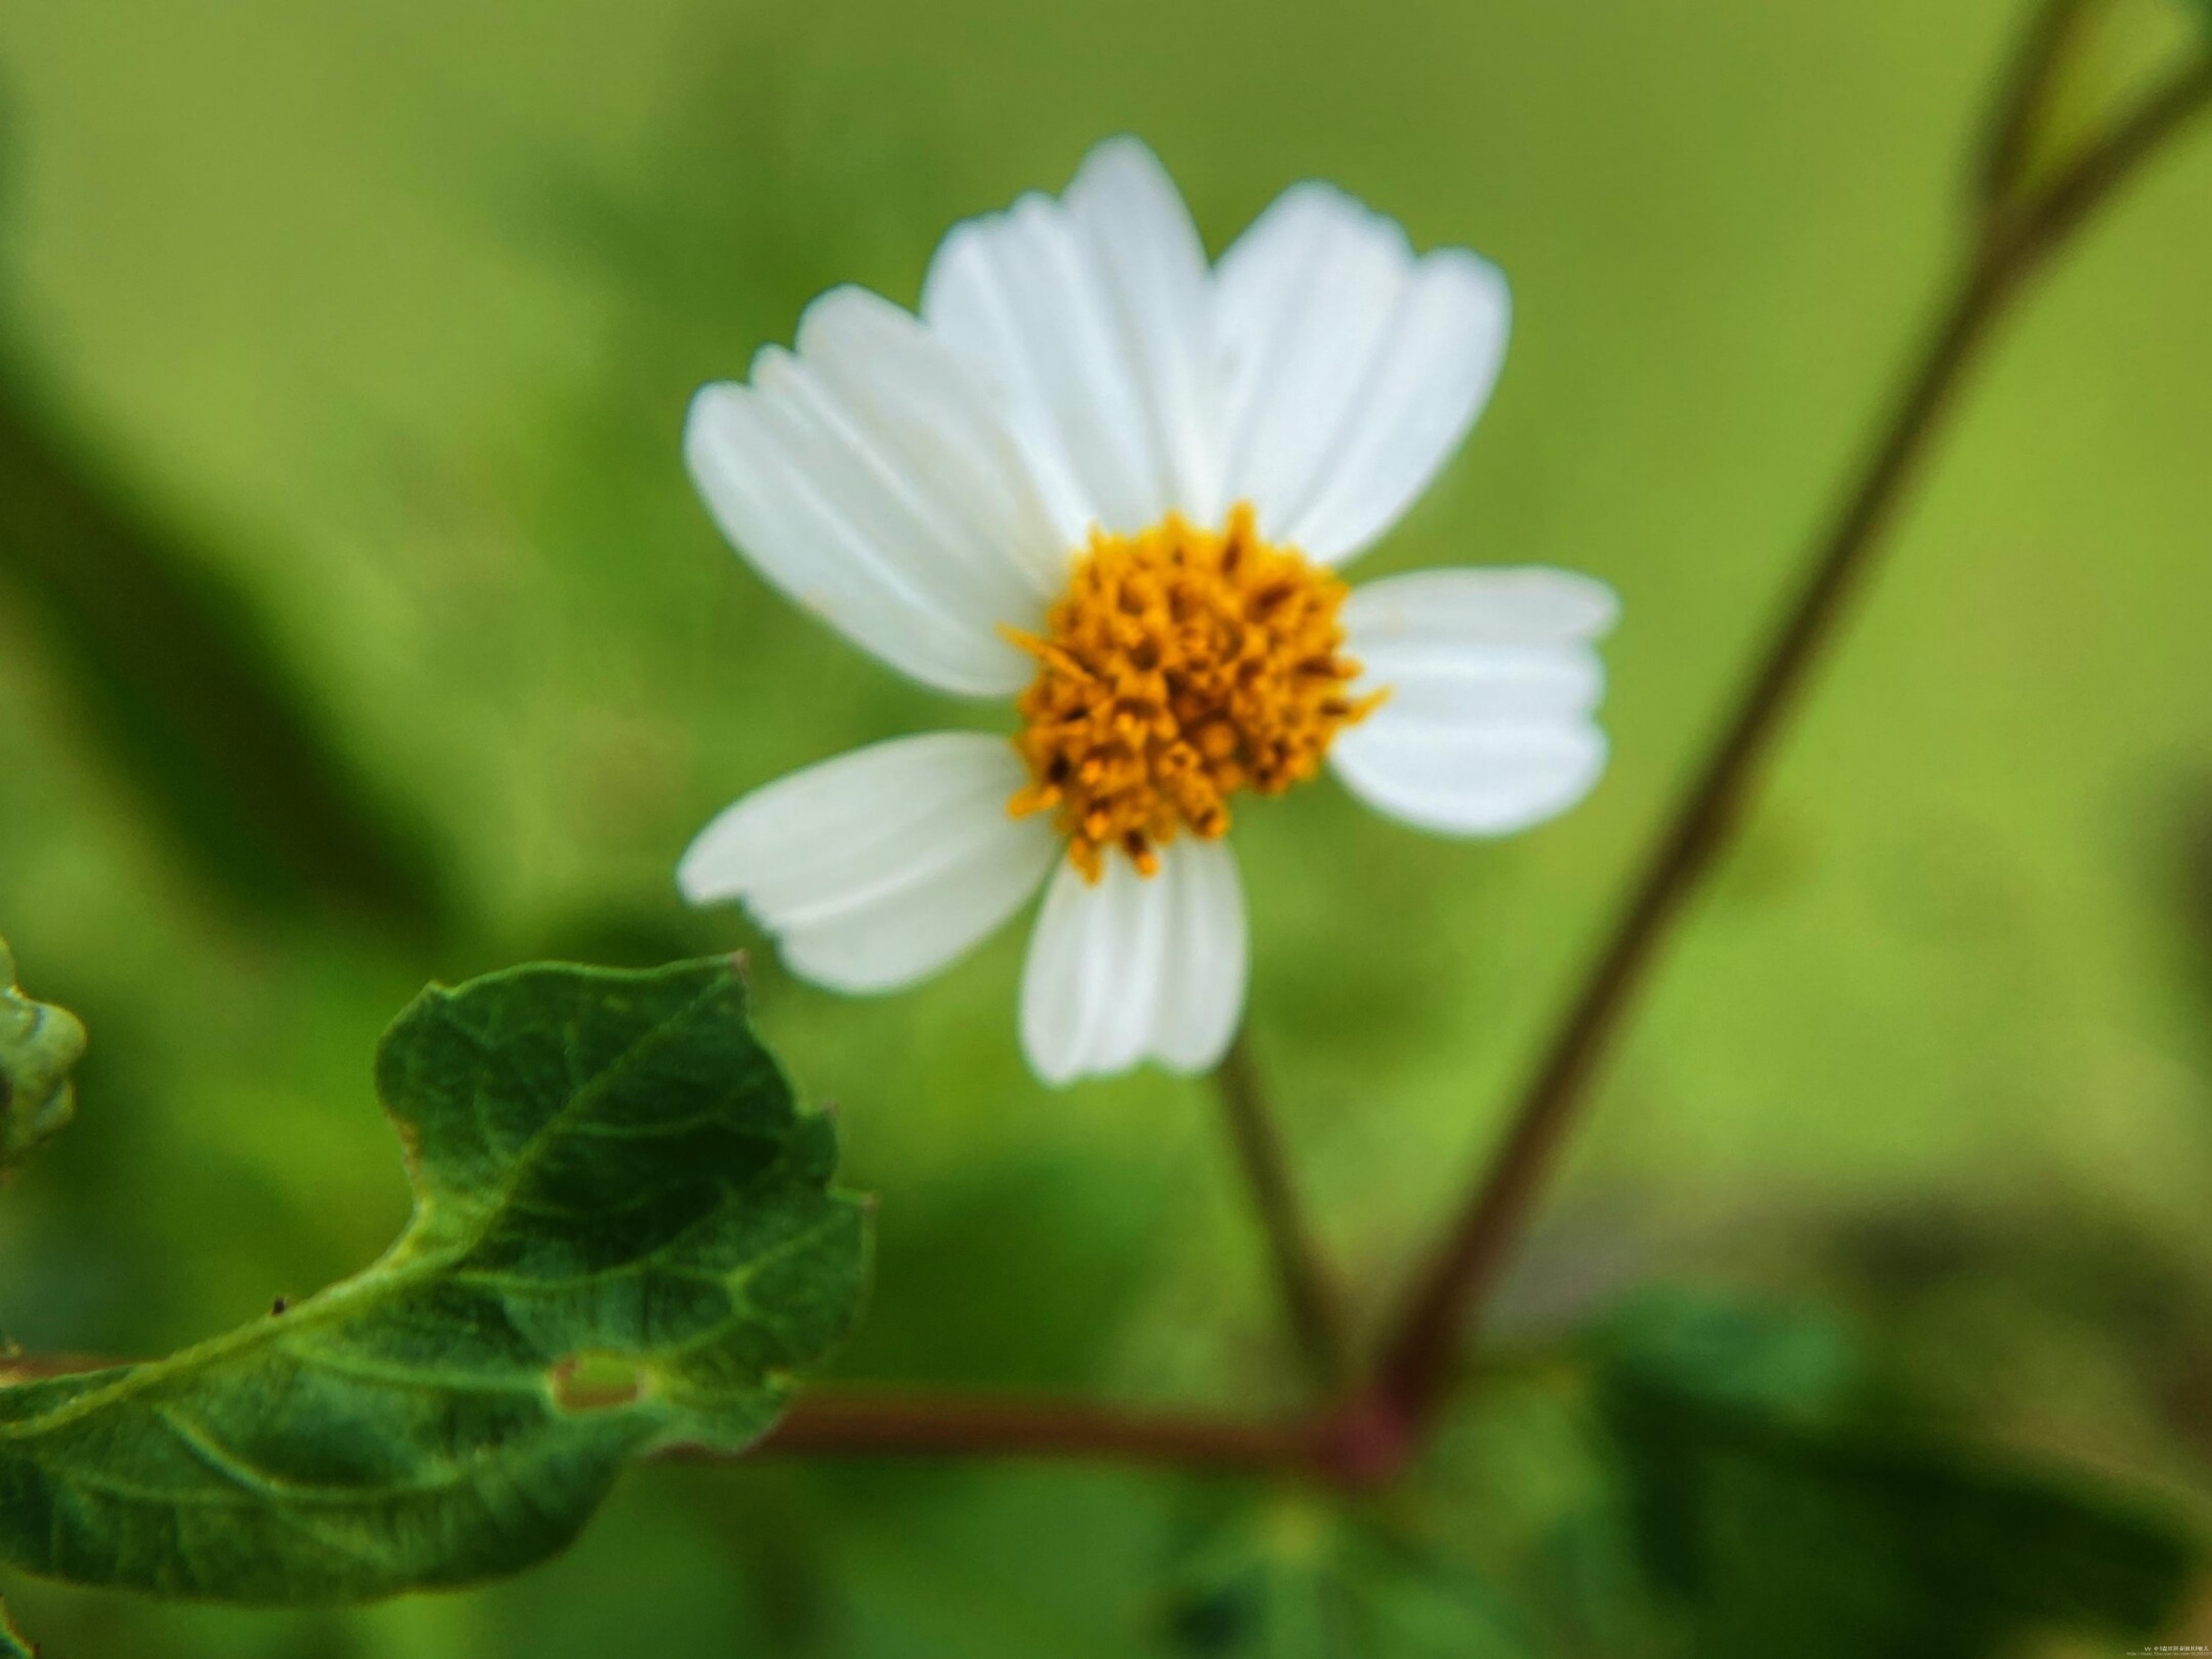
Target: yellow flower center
column 1182, row 666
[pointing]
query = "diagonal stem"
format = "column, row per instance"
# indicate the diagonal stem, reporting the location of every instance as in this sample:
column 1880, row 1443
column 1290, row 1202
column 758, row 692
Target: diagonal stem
column 2098, row 175
column 1466, row 1267
column 1310, row 1297
column 1416, row 1366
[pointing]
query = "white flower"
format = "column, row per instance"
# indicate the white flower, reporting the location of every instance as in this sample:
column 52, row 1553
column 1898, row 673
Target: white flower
column 1098, row 478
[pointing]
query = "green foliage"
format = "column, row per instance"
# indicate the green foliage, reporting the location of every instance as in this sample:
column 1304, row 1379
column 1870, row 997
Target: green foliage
column 1775, row 1520
column 39, row 1047
column 1298, row 1579
column 1698, row 1476
column 623, row 1238
column 1729, row 1353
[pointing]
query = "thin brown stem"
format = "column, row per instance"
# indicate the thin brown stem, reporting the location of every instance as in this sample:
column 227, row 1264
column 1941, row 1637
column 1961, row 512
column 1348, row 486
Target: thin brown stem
column 1417, row 1362
column 2098, row 175
column 826, row 1422
column 1310, row 1298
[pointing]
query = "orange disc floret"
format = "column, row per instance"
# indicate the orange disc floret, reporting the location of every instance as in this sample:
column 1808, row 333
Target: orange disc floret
column 1182, row 665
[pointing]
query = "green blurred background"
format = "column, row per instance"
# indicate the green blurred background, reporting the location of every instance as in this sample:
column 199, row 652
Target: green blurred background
column 365, row 335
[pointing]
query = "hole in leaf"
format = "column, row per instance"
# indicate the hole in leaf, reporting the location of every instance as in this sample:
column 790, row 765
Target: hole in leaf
column 597, row 1381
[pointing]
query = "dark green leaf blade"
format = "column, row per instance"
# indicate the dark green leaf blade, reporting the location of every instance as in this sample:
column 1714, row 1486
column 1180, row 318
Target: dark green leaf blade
column 1777, row 1521
column 39, row 1047
column 623, row 1238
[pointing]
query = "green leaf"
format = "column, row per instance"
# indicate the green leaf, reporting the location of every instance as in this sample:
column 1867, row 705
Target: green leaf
column 623, row 1238
column 39, row 1047
column 180, row 682
column 1725, row 1350
column 14, row 1645
column 1299, row 1579
column 1774, row 1527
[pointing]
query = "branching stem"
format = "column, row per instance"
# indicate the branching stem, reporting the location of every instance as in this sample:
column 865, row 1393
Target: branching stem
column 1368, row 1437
column 2023, row 99
column 1419, row 1360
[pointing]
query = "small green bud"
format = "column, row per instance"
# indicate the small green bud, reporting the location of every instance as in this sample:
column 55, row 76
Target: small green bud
column 39, row 1047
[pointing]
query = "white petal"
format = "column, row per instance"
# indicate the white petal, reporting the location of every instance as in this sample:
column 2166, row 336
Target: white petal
column 1204, row 996
column 1529, row 605
column 1492, row 680
column 871, row 476
column 1488, row 779
column 1093, row 314
column 878, row 868
column 1352, row 370
column 1131, row 967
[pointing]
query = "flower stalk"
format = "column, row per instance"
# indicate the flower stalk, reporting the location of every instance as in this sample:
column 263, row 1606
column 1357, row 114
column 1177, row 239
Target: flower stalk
column 2013, row 244
column 864, row 1423
column 1310, row 1299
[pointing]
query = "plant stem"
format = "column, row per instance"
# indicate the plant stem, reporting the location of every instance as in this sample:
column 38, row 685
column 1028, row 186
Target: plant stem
column 867, row 1424
column 1310, row 1298
column 1418, row 1361
column 2034, row 233
column 2022, row 99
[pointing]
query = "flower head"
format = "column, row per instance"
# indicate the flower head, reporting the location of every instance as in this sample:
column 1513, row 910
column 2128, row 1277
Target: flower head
column 1101, row 479
column 1182, row 666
